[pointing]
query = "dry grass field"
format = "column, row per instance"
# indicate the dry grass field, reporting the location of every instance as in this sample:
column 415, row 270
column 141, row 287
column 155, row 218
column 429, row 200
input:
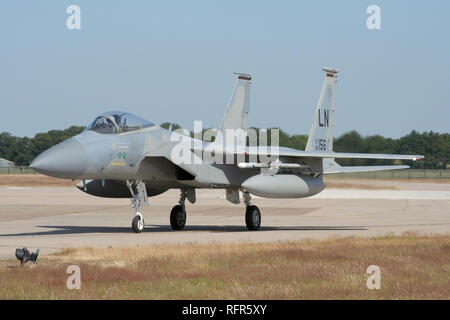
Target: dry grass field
column 412, row 267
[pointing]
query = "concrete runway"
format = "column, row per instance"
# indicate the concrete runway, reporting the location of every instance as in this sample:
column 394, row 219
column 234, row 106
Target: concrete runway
column 53, row 218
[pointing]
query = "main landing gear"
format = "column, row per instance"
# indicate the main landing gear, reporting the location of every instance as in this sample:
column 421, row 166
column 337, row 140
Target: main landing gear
column 178, row 213
column 252, row 214
column 138, row 198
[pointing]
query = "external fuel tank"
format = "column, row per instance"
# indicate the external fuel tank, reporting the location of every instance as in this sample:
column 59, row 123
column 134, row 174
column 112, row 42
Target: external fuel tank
column 284, row 185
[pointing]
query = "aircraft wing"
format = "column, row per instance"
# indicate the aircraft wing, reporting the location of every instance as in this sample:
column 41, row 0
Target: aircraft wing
column 292, row 153
column 331, row 166
column 282, row 152
column 291, row 159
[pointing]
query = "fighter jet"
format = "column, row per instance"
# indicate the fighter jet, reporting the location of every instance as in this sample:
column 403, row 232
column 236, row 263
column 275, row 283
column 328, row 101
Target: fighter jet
column 120, row 155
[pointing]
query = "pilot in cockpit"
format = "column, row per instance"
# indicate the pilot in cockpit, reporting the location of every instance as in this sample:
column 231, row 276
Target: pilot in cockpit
column 118, row 122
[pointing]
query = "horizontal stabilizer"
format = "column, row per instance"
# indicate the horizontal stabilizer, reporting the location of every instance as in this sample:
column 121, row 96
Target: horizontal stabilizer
column 331, row 166
column 349, row 169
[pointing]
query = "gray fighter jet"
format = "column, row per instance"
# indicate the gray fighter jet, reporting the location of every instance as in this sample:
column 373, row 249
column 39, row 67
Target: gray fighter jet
column 120, row 155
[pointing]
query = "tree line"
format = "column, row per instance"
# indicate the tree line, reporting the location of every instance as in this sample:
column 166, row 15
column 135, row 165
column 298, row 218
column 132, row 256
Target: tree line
column 434, row 146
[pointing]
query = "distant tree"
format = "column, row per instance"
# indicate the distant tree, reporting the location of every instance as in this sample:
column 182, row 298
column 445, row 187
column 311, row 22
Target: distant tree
column 378, row 144
column 166, row 125
column 434, row 146
column 350, row 142
column 297, row 141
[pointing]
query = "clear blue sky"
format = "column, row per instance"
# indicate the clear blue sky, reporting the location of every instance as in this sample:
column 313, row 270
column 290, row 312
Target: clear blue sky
column 173, row 61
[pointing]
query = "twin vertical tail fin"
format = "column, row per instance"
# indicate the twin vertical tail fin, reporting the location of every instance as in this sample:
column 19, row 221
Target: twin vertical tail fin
column 236, row 116
column 321, row 134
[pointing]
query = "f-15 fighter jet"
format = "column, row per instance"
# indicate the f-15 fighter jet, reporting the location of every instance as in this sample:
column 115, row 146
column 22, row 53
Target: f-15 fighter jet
column 120, row 155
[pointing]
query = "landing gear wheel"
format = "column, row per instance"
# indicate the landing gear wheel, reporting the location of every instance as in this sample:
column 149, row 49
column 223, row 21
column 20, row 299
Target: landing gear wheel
column 137, row 224
column 252, row 218
column 177, row 217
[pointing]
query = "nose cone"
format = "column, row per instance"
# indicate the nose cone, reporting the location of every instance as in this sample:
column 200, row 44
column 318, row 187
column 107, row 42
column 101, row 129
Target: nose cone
column 67, row 159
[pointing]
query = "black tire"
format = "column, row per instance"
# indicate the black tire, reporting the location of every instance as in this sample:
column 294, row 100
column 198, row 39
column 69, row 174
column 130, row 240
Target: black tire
column 177, row 217
column 136, row 224
column 252, row 218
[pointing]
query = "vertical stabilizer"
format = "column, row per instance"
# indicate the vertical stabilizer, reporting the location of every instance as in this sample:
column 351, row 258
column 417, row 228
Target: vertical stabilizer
column 321, row 134
column 236, row 116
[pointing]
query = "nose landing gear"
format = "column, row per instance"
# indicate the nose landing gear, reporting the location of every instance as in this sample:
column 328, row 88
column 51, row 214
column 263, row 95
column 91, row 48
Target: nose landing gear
column 137, row 224
column 139, row 197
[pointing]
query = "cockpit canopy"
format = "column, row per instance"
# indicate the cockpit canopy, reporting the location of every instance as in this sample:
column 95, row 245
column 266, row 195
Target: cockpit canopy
column 118, row 122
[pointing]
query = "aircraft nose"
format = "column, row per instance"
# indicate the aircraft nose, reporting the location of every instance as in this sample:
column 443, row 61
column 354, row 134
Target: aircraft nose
column 67, row 159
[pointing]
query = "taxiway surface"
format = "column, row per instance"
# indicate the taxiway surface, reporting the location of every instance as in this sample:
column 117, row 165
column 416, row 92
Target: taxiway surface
column 53, row 218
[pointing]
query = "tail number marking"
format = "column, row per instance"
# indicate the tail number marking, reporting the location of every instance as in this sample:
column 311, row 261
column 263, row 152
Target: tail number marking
column 321, row 144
